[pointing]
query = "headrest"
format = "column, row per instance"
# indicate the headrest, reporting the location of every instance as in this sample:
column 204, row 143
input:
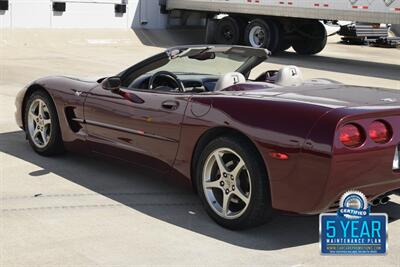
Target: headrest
column 289, row 76
column 229, row 79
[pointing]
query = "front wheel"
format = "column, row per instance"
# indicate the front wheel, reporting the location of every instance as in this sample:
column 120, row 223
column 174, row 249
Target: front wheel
column 232, row 184
column 41, row 125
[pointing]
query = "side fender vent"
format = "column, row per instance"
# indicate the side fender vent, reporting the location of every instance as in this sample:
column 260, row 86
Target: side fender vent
column 73, row 122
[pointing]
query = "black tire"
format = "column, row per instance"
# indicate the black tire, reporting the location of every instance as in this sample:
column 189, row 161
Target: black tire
column 248, row 33
column 276, row 35
column 259, row 209
column 227, row 31
column 55, row 145
column 313, row 38
column 210, row 31
column 395, row 28
column 284, row 45
column 284, row 42
column 242, row 23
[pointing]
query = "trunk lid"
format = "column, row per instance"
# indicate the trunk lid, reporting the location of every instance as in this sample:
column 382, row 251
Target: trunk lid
column 332, row 95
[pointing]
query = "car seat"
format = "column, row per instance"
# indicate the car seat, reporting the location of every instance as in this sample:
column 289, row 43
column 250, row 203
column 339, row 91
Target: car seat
column 229, row 79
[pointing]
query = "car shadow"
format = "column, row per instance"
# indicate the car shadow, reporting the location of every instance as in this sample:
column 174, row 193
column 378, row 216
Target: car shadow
column 191, row 36
column 168, row 198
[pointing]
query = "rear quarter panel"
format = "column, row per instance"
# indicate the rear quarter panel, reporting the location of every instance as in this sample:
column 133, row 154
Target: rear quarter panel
column 368, row 168
column 273, row 125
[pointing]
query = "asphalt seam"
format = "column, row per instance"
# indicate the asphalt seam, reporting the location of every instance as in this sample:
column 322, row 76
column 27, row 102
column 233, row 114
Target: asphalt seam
column 100, row 194
column 102, row 206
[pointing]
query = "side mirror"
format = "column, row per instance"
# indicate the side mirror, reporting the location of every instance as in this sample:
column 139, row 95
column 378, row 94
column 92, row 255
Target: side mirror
column 111, row 83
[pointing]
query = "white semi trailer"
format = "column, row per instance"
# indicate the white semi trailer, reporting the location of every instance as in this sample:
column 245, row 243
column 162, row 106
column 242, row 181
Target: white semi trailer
column 281, row 24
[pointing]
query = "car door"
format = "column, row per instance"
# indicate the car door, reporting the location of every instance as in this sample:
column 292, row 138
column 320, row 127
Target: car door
column 134, row 125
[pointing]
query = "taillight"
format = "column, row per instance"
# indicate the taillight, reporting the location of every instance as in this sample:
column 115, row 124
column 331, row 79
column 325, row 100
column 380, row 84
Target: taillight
column 380, row 132
column 351, row 135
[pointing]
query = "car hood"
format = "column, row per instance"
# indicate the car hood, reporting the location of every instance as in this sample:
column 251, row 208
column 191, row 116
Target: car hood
column 87, row 79
column 332, row 95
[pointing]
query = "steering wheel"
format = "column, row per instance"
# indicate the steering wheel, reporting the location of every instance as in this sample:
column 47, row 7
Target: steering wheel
column 268, row 76
column 169, row 75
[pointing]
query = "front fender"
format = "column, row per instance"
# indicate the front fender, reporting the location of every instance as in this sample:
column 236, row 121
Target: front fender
column 68, row 96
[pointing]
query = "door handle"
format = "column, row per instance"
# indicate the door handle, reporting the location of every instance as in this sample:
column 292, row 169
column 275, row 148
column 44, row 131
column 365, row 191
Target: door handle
column 170, row 105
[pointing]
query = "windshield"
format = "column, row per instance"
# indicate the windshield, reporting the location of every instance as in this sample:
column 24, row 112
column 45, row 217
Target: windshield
column 218, row 64
column 211, row 60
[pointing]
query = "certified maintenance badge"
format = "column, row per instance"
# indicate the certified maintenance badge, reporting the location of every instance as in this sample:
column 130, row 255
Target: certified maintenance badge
column 353, row 230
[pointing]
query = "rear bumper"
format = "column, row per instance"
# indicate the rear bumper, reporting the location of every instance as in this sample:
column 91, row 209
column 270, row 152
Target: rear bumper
column 370, row 191
column 371, row 172
column 325, row 172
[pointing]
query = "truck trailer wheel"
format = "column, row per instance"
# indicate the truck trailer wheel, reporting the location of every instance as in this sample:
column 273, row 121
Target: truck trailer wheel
column 228, row 31
column 258, row 34
column 395, row 28
column 276, row 35
column 284, row 45
column 312, row 38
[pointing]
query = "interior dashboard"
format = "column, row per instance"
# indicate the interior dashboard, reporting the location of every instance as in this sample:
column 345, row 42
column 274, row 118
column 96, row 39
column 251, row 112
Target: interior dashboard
column 191, row 82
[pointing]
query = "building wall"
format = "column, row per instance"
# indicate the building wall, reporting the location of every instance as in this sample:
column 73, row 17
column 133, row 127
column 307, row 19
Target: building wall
column 82, row 14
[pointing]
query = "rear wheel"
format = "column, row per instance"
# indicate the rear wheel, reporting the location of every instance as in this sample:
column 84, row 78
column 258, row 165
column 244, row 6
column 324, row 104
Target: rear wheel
column 41, row 125
column 232, row 184
column 312, row 40
column 228, row 31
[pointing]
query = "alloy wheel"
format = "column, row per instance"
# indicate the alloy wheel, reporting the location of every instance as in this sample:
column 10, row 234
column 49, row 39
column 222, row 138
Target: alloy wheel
column 226, row 183
column 39, row 123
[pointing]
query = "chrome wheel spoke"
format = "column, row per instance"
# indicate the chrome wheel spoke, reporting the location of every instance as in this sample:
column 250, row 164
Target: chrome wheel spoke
column 233, row 181
column 46, row 122
column 220, row 162
column 225, row 204
column 238, row 168
column 242, row 197
column 39, row 123
column 41, row 109
column 32, row 116
column 44, row 137
column 213, row 184
column 36, row 133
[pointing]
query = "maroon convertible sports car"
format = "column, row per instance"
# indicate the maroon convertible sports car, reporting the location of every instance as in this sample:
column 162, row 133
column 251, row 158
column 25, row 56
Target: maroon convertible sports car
column 250, row 144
